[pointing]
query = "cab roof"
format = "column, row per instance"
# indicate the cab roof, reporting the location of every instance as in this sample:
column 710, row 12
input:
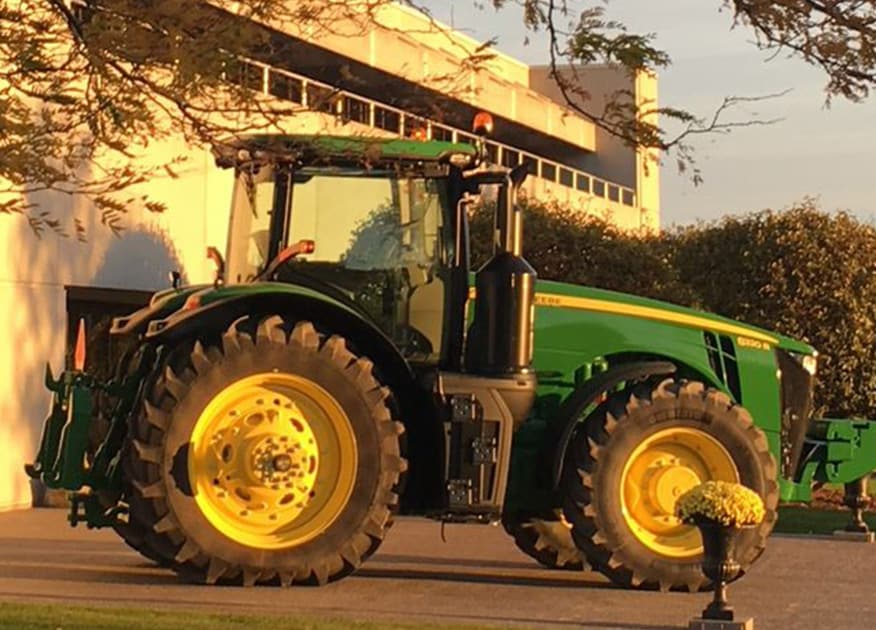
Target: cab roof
column 316, row 149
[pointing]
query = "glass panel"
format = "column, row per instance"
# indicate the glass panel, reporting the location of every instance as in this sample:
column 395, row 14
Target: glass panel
column 493, row 152
column 356, row 110
column 415, row 127
column 377, row 238
column 583, row 183
column 319, row 98
column 599, row 188
column 442, row 133
column 510, row 158
column 285, row 87
column 386, row 119
column 549, row 171
column 613, row 192
column 566, row 177
column 244, row 73
column 629, row 198
column 467, row 139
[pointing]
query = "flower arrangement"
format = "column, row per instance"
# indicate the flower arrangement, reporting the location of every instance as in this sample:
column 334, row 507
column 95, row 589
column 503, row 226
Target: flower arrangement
column 723, row 502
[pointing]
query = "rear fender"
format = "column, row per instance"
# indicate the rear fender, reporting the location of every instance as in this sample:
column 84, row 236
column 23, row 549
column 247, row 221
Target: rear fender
column 217, row 316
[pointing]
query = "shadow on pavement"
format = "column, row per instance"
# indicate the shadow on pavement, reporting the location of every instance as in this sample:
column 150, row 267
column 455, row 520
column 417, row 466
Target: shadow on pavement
column 450, row 575
column 152, row 576
column 390, row 558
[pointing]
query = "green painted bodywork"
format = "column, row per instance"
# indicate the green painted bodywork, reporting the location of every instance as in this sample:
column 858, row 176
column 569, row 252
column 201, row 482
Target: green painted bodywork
column 358, row 148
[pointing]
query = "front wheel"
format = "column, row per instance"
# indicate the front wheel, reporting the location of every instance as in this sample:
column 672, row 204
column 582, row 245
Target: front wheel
column 272, row 456
column 632, row 459
column 546, row 538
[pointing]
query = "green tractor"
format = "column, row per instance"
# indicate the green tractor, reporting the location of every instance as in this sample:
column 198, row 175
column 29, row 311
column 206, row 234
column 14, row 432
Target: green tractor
column 347, row 365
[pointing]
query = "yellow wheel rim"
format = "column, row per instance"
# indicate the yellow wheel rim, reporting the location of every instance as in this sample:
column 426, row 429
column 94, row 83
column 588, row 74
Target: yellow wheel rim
column 661, row 469
column 272, row 460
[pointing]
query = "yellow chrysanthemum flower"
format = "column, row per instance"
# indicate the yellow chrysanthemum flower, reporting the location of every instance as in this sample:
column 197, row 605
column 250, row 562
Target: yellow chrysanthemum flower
column 721, row 501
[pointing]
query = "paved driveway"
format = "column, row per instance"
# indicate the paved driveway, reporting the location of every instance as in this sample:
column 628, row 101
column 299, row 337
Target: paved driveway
column 476, row 576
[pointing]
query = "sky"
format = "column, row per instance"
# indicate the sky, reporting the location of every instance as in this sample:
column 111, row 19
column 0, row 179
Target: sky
column 823, row 152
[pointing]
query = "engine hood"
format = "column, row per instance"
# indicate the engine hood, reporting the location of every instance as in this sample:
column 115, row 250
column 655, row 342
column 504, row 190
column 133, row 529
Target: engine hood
column 559, row 294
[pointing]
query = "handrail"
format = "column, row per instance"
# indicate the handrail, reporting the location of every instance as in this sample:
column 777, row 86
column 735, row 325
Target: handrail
column 320, row 96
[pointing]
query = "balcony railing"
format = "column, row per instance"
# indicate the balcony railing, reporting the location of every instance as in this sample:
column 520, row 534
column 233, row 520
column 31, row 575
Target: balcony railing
column 318, row 96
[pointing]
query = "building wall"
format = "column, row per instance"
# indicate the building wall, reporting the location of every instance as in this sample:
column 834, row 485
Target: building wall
column 612, row 158
column 34, row 272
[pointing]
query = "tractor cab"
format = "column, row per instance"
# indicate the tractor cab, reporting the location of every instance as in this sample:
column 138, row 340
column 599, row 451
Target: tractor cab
column 378, row 224
column 373, row 226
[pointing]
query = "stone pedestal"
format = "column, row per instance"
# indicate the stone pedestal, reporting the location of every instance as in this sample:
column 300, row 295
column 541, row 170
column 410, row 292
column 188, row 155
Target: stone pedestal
column 864, row 537
column 720, row 624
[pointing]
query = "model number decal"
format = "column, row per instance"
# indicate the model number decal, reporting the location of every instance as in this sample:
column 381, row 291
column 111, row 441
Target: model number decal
column 748, row 342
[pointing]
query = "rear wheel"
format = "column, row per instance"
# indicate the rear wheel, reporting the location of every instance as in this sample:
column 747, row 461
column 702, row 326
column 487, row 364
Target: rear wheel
column 633, row 458
column 274, row 457
column 545, row 538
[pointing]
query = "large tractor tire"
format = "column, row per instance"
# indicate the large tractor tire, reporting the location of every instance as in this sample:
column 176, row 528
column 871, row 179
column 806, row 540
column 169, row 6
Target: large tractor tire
column 271, row 456
column 545, row 538
column 632, row 459
column 136, row 535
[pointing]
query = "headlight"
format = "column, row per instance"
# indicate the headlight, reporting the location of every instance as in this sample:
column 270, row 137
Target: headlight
column 808, row 362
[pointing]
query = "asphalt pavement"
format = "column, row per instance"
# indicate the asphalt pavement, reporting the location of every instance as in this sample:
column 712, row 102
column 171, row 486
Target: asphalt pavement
column 477, row 576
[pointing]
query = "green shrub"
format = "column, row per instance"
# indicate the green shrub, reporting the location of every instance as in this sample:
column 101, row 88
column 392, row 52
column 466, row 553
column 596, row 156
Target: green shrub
column 566, row 245
column 802, row 272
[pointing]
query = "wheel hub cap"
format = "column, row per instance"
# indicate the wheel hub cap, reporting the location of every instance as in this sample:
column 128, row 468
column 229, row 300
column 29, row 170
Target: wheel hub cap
column 662, row 468
column 272, row 460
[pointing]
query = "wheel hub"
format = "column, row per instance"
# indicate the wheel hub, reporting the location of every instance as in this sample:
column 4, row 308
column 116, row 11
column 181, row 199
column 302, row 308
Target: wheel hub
column 668, row 483
column 272, row 460
column 658, row 471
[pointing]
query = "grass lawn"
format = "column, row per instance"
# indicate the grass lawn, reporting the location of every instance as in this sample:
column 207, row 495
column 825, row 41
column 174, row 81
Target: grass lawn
column 54, row 617
column 804, row 520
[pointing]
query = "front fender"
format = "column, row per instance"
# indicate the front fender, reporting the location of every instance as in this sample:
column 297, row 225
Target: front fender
column 572, row 408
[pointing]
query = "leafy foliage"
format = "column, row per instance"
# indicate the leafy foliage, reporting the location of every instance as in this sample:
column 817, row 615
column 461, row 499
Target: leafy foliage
column 88, row 86
column 802, row 272
column 730, row 504
column 565, row 244
column 805, row 273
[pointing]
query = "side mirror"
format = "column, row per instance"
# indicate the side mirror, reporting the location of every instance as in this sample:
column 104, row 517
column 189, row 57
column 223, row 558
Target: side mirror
column 175, row 279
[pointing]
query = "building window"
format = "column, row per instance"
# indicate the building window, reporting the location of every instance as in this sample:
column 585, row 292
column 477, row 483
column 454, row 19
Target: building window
column 629, row 199
column 599, row 188
column 356, row 110
column 493, row 152
column 567, row 177
column 582, row 183
column 510, row 157
column 531, row 164
column 285, row 87
column 245, row 74
column 549, row 171
column 319, row 98
column 442, row 133
column 613, row 193
column 415, row 127
column 387, row 119
column 98, row 307
column 467, row 139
